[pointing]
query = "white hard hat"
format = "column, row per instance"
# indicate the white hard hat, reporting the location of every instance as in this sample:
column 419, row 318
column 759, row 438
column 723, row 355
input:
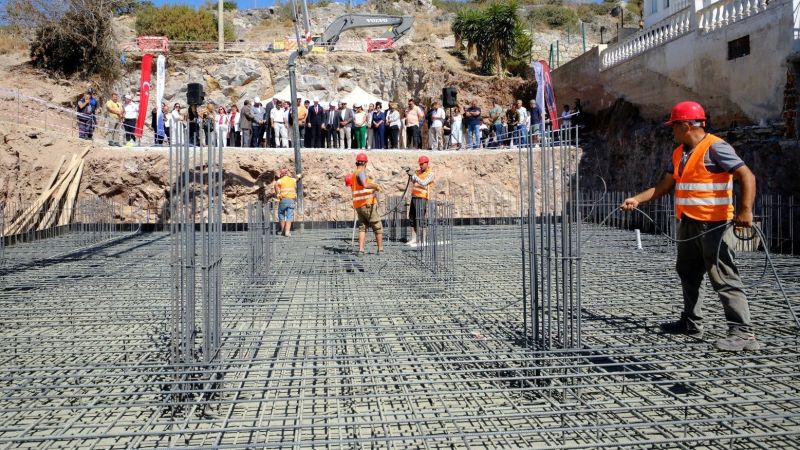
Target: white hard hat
column 356, row 105
column 256, row 100
column 316, row 99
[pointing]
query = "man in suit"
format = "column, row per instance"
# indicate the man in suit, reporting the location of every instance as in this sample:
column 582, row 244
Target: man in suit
column 314, row 121
column 345, row 124
column 331, row 126
column 246, row 123
column 269, row 140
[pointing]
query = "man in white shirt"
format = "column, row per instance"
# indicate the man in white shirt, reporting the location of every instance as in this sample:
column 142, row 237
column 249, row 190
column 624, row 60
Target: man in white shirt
column 278, row 120
column 436, row 130
column 522, row 126
column 130, row 115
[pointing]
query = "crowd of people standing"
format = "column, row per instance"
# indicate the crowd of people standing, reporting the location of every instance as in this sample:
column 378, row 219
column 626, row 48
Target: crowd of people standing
column 328, row 125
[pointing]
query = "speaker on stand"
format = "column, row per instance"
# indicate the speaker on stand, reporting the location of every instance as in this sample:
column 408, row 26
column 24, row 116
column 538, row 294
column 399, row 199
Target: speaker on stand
column 194, row 94
column 450, row 100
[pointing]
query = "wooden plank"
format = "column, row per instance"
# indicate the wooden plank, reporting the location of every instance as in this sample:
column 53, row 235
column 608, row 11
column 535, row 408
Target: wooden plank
column 54, row 202
column 69, row 205
column 21, row 223
column 31, row 213
column 52, row 180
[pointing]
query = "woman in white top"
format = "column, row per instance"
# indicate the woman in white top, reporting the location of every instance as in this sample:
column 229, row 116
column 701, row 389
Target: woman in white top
column 370, row 110
column 393, row 124
column 360, row 126
column 222, row 123
column 456, row 135
column 175, row 117
column 235, row 136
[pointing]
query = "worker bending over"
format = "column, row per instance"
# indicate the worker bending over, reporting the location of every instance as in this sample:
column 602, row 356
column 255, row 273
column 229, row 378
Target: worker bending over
column 286, row 193
column 417, row 211
column 366, row 204
column 701, row 171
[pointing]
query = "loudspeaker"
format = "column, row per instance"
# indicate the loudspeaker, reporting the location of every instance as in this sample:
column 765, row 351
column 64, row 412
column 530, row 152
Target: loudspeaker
column 194, row 93
column 449, row 97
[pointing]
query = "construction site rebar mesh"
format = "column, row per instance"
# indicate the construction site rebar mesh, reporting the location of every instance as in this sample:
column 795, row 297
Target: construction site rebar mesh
column 319, row 347
column 330, row 349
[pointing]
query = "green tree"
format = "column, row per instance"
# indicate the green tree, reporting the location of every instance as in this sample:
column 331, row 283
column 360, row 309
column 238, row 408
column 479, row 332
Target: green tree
column 493, row 34
column 180, row 23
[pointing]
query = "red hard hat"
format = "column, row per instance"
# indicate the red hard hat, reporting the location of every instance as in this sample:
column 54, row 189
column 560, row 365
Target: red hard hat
column 423, row 159
column 686, row 111
column 362, row 157
column 348, row 180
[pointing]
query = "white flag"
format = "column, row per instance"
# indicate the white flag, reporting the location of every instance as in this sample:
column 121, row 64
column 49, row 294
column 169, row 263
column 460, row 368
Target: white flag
column 160, row 81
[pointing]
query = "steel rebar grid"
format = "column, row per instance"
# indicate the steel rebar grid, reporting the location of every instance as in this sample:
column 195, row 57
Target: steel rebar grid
column 88, row 223
column 196, row 246
column 260, row 235
column 774, row 214
column 332, row 350
column 553, row 240
column 434, row 238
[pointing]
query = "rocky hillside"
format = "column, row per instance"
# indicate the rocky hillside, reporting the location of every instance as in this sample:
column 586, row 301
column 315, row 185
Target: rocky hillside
column 630, row 153
column 481, row 183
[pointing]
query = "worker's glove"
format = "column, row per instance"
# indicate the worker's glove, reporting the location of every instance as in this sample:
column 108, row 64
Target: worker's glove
column 408, row 171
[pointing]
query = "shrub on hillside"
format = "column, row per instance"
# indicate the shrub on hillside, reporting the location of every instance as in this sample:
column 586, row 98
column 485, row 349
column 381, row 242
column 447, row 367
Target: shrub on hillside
column 180, row 23
column 553, row 16
column 70, row 36
column 227, row 5
column 11, row 41
column 588, row 11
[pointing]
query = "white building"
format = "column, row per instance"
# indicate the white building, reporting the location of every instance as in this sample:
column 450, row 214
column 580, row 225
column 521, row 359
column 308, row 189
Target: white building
column 737, row 57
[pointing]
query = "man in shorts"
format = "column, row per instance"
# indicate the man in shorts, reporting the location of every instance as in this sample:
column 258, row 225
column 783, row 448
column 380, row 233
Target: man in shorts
column 286, row 193
column 366, row 204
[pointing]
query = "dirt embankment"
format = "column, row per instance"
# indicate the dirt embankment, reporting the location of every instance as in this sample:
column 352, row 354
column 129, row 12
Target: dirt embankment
column 480, row 183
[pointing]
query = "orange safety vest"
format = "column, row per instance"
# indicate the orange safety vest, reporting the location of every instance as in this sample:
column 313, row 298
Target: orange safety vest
column 287, row 188
column 361, row 195
column 700, row 194
column 419, row 190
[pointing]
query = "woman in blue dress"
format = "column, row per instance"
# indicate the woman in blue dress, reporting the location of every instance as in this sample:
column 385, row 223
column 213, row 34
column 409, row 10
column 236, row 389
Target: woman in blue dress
column 378, row 119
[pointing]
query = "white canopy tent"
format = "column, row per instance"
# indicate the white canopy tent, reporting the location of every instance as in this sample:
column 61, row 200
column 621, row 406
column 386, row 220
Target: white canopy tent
column 286, row 94
column 358, row 95
column 363, row 98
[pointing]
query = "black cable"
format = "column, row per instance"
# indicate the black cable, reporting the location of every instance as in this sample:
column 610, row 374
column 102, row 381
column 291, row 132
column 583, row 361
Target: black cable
column 758, row 231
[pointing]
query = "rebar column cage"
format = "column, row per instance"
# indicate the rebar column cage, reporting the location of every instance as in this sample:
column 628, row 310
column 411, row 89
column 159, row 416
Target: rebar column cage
column 396, row 210
column 260, row 229
column 552, row 246
column 434, row 238
column 195, row 225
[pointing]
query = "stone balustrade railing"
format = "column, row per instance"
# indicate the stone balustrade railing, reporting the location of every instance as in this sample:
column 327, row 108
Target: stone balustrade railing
column 666, row 30
column 726, row 12
column 685, row 19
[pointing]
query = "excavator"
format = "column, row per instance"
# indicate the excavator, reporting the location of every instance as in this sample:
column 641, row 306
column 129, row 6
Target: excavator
column 399, row 27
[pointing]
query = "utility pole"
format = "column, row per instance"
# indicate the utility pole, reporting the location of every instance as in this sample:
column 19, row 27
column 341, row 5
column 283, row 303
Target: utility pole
column 220, row 25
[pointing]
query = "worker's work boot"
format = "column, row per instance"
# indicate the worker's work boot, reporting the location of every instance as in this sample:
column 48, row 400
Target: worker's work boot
column 737, row 341
column 682, row 326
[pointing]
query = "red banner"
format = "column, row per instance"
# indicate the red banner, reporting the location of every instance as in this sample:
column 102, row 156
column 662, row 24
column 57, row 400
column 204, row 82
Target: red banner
column 144, row 93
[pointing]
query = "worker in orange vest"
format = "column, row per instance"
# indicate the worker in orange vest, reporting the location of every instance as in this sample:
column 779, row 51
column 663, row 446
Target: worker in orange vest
column 701, row 171
column 286, row 193
column 420, row 193
column 366, row 204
